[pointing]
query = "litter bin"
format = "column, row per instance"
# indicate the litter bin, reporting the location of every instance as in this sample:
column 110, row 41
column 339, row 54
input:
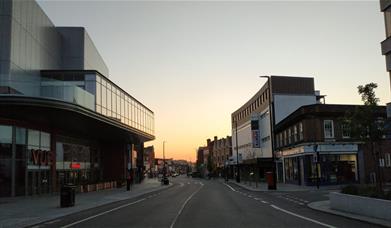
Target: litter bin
column 165, row 181
column 67, row 195
column 270, row 181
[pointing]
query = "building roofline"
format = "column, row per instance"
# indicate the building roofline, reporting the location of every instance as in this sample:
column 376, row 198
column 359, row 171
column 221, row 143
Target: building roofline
column 308, row 109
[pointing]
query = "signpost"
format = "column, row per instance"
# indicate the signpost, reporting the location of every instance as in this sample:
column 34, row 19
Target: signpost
column 316, row 161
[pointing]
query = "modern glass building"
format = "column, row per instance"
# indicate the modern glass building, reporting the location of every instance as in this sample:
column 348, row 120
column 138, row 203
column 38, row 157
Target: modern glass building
column 62, row 120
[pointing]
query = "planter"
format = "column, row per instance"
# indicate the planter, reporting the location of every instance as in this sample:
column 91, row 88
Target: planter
column 366, row 206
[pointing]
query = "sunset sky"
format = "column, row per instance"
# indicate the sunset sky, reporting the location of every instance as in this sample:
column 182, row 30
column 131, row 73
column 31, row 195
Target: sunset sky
column 194, row 63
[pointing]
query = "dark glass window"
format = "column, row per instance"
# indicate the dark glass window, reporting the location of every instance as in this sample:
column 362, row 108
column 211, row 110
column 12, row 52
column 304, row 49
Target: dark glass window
column 5, row 175
column 387, row 21
column 5, row 134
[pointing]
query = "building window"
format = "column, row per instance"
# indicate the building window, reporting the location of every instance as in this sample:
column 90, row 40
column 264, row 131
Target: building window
column 295, row 133
column 281, row 143
column 301, row 135
column 345, row 131
column 285, row 138
column 388, row 159
column 289, row 136
column 387, row 21
column 328, row 129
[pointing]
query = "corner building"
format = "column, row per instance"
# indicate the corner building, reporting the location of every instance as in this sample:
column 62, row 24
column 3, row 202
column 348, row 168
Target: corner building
column 62, row 120
column 251, row 132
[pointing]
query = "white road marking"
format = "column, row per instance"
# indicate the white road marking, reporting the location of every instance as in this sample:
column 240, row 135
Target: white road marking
column 103, row 213
column 183, row 206
column 181, row 184
column 302, row 217
column 257, row 198
column 53, row 221
column 230, row 187
column 188, row 182
column 264, row 201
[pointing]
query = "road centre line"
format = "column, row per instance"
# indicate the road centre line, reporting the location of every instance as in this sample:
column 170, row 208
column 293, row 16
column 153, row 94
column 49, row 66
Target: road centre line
column 302, row 217
column 183, row 206
column 103, row 213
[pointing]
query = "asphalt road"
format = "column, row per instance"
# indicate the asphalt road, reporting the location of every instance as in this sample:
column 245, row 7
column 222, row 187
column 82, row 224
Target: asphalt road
column 208, row 203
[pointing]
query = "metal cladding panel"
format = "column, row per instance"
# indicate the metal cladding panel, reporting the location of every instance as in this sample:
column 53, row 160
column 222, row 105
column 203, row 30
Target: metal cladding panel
column 292, row 85
column 384, row 4
column 5, row 37
column 72, row 49
column 5, row 7
column 34, row 44
column 92, row 58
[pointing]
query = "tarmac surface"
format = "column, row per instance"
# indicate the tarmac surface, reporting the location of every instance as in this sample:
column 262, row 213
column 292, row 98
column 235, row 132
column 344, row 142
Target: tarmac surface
column 209, row 203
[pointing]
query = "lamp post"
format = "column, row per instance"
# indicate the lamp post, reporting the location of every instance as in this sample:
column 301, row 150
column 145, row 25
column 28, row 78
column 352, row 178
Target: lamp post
column 271, row 114
column 164, row 161
column 237, row 153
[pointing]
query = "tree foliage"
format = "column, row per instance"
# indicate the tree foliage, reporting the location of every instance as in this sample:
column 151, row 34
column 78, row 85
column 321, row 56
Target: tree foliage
column 367, row 126
column 364, row 122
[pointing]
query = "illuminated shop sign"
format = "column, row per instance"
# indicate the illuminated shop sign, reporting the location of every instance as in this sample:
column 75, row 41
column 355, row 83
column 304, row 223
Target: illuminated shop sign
column 75, row 166
column 41, row 157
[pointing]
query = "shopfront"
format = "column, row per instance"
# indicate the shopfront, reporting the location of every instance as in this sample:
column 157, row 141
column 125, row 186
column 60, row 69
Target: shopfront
column 25, row 161
column 30, row 166
column 77, row 162
column 337, row 165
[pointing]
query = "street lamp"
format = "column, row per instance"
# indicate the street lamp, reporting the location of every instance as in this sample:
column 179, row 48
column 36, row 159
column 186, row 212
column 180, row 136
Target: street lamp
column 237, row 153
column 164, row 160
column 271, row 114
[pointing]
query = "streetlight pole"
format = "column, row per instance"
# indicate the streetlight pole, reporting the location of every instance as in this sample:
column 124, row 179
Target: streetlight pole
column 237, row 153
column 164, row 161
column 271, row 114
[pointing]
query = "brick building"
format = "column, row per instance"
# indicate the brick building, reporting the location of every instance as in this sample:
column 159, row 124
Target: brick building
column 316, row 133
column 222, row 150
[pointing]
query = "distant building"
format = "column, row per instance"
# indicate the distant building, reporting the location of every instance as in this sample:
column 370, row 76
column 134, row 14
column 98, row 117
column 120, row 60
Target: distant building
column 202, row 160
column 318, row 129
column 251, row 122
column 221, row 151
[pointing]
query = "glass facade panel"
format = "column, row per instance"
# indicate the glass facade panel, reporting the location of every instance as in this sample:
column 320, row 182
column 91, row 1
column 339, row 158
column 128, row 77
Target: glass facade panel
column 21, row 136
column 98, row 94
column 111, row 101
column 33, row 138
column 45, row 140
column 5, row 134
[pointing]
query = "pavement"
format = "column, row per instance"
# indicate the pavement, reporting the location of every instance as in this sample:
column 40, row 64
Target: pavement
column 27, row 211
column 262, row 187
column 323, row 205
column 193, row 202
